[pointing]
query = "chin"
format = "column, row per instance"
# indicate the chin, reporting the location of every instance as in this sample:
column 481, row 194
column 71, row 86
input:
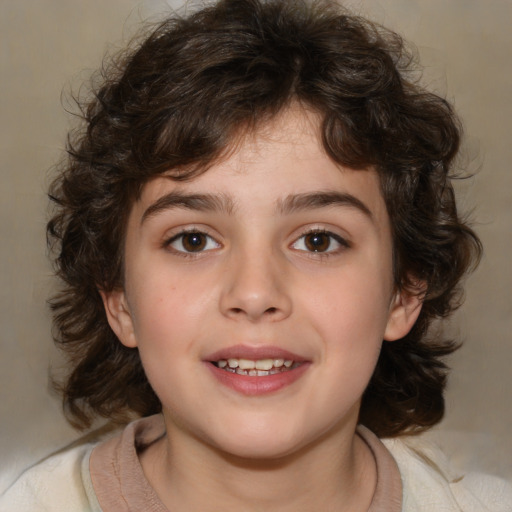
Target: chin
column 264, row 443
column 259, row 451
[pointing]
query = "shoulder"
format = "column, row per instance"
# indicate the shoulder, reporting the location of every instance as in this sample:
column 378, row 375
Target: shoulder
column 59, row 483
column 430, row 483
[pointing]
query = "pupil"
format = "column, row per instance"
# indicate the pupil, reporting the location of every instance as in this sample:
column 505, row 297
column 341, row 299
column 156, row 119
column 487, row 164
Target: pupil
column 194, row 242
column 317, row 242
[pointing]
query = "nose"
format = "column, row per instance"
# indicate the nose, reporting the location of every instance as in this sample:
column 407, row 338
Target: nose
column 256, row 289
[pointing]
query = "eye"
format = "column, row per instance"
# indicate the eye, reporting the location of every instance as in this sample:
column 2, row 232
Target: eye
column 192, row 241
column 320, row 241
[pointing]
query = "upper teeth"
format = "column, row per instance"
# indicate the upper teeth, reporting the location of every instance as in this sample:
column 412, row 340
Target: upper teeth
column 259, row 364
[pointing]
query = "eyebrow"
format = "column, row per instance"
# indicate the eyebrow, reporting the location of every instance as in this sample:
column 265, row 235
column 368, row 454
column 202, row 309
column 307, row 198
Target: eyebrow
column 198, row 202
column 224, row 203
column 308, row 201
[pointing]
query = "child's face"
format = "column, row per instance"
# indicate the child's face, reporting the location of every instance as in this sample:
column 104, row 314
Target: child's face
column 285, row 256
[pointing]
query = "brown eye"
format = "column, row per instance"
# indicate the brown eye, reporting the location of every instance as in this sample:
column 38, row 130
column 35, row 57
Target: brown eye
column 317, row 242
column 192, row 242
column 320, row 242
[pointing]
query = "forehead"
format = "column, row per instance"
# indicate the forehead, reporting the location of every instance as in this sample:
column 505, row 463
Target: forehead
column 281, row 158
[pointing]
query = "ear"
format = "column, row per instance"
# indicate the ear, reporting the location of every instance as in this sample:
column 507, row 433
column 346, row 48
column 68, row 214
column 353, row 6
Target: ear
column 119, row 316
column 404, row 311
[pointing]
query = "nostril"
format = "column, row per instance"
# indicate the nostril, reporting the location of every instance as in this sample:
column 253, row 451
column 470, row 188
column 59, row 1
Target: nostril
column 271, row 310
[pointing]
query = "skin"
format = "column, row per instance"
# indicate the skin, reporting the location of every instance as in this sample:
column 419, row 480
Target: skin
column 257, row 281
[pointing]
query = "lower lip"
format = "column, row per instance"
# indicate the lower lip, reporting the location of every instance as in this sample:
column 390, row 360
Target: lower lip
column 253, row 386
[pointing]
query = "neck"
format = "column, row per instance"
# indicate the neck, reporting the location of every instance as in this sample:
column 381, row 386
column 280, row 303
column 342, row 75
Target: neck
column 336, row 473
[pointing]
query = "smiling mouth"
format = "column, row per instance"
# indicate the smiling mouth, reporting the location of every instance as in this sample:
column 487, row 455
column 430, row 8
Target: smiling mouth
column 256, row 368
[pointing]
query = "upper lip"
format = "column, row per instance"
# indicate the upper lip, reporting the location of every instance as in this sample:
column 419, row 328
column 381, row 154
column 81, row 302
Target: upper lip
column 254, row 353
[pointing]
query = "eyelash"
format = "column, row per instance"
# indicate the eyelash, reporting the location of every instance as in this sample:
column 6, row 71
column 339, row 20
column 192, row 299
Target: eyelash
column 168, row 244
column 208, row 239
column 342, row 243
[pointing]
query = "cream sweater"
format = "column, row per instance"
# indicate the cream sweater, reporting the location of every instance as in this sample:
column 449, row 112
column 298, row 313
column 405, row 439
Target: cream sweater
column 62, row 483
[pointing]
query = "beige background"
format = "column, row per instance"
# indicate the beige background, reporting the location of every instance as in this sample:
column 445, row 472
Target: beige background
column 466, row 47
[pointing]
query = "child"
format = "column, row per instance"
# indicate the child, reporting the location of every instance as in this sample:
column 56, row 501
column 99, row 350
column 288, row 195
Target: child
column 255, row 230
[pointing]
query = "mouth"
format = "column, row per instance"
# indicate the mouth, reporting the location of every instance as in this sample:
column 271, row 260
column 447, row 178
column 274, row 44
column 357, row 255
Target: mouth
column 256, row 367
column 256, row 371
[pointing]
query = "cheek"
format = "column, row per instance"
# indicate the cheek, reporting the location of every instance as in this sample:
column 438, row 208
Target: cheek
column 350, row 321
column 159, row 293
column 164, row 329
column 354, row 306
column 169, row 312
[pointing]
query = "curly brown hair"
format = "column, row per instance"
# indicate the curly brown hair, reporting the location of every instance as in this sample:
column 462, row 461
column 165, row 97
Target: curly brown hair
column 178, row 99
